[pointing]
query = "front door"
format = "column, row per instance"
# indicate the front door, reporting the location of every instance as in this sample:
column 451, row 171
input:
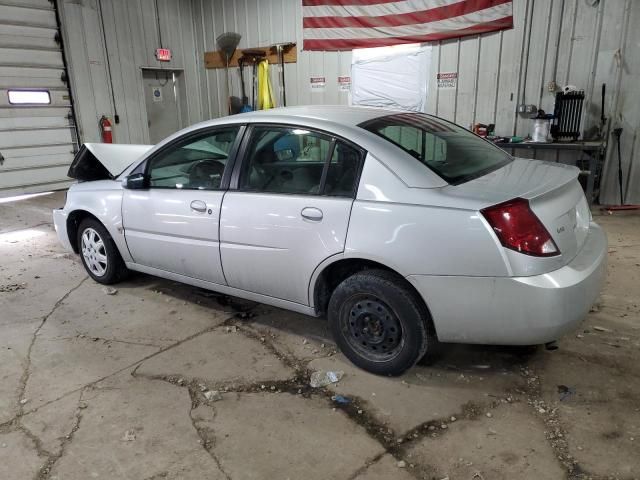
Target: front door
column 290, row 211
column 173, row 225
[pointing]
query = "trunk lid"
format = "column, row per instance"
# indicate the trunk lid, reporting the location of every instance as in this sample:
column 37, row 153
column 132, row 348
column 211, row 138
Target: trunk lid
column 554, row 194
column 104, row 161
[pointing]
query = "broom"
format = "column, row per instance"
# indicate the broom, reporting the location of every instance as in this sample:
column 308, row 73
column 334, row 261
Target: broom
column 227, row 44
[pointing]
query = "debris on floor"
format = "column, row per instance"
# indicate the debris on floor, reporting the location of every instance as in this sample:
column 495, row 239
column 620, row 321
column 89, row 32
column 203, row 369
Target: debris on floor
column 601, row 329
column 341, row 400
column 322, row 378
column 109, row 290
column 213, row 395
column 12, row 287
column 129, row 436
column 565, row 392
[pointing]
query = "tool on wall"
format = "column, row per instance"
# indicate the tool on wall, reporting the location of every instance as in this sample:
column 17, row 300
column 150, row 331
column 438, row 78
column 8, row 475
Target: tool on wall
column 281, row 49
column 276, row 54
column 603, row 118
column 617, row 133
column 227, row 43
column 254, row 57
column 245, row 99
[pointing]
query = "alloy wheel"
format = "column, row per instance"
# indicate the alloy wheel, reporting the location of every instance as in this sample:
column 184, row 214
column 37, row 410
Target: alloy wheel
column 94, row 252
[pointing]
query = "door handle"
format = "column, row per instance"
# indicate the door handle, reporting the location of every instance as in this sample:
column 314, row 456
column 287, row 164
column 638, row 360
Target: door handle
column 199, row 206
column 311, row 213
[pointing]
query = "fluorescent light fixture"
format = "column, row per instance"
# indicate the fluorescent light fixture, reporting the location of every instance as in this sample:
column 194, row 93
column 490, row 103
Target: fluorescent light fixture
column 29, row 97
column 299, row 131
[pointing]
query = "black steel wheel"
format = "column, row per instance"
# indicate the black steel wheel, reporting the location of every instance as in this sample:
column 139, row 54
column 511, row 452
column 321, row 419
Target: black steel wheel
column 371, row 327
column 378, row 322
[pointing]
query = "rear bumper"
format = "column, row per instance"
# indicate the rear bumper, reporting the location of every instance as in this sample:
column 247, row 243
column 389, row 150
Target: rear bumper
column 60, row 222
column 517, row 310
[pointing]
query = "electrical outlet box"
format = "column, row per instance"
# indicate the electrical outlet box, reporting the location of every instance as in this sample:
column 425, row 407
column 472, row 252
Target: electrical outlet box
column 527, row 108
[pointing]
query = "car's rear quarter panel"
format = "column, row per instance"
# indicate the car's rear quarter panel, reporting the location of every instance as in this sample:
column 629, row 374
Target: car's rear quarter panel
column 398, row 227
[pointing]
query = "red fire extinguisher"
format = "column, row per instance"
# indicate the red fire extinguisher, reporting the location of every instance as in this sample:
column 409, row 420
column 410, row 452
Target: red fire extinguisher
column 106, row 129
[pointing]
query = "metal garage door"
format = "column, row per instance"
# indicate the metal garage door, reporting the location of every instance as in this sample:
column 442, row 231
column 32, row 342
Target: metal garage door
column 37, row 133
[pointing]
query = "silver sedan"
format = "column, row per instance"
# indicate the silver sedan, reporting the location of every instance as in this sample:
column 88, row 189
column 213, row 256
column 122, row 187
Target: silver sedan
column 402, row 229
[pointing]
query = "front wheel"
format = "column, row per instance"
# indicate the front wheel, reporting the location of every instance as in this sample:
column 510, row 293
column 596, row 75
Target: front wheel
column 378, row 322
column 99, row 253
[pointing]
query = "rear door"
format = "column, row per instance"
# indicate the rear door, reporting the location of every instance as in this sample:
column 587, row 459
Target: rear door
column 173, row 225
column 37, row 132
column 290, row 211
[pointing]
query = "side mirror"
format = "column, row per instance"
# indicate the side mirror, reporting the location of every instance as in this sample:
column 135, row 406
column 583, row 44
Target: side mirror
column 136, row 181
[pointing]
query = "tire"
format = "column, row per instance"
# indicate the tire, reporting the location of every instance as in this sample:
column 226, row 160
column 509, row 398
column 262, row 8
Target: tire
column 379, row 323
column 99, row 254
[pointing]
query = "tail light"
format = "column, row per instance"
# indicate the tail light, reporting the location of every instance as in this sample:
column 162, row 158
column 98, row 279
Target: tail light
column 519, row 229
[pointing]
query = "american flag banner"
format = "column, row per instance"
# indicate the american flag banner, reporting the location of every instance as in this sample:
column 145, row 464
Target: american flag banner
column 349, row 24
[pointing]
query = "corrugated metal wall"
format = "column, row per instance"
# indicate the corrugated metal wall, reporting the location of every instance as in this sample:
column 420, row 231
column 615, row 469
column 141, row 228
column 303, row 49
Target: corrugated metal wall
column 263, row 23
column 132, row 33
column 578, row 42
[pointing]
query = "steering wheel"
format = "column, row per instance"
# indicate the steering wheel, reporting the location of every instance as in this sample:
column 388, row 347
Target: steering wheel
column 202, row 173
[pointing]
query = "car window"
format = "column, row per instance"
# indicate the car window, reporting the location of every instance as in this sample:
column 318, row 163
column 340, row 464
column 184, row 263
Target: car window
column 343, row 170
column 452, row 152
column 195, row 164
column 285, row 160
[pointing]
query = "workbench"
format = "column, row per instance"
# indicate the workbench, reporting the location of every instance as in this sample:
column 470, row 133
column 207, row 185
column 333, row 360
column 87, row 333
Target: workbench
column 595, row 151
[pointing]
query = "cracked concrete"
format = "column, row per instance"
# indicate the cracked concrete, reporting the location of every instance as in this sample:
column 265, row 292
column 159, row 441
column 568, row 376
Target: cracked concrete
column 508, row 445
column 218, row 357
column 113, row 386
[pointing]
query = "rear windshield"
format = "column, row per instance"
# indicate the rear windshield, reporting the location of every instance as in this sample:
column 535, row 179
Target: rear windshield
column 452, row 152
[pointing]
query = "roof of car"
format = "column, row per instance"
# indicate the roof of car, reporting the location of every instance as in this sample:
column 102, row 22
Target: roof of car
column 335, row 113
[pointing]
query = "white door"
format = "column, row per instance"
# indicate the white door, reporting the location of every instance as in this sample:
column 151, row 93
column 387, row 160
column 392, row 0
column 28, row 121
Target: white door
column 290, row 212
column 173, row 224
column 36, row 123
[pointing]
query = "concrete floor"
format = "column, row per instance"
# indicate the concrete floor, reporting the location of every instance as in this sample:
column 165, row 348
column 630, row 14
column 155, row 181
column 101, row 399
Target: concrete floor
column 113, row 386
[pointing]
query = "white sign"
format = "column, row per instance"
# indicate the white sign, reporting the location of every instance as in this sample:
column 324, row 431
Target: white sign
column 156, row 93
column 344, row 83
column 317, row 84
column 447, row 80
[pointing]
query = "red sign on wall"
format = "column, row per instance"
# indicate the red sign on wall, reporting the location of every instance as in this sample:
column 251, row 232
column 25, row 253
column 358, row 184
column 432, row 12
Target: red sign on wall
column 163, row 54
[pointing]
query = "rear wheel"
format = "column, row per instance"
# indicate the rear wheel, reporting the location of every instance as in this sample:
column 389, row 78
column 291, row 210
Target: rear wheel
column 378, row 322
column 99, row 253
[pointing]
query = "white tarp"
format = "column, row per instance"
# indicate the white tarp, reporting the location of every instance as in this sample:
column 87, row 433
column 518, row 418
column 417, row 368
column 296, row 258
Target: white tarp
column 391, row 77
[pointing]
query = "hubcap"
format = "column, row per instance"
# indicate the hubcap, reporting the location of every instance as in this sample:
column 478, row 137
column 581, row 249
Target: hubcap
column 94, row 252
column 372, row 328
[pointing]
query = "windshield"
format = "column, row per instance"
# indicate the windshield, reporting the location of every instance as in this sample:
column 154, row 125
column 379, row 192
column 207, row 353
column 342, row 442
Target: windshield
column 452, row 152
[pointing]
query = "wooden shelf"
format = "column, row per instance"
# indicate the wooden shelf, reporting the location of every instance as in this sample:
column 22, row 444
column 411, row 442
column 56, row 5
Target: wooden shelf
column 216, row 58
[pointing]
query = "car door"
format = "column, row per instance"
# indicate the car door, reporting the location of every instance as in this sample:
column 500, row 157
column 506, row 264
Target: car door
column 173, row 223
column 290, row 210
